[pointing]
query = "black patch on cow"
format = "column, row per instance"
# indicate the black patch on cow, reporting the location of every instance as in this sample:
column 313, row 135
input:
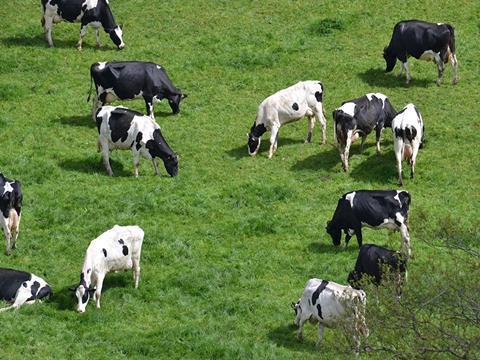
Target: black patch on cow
column 295, row 106
column 88, row 271
column 131, row 145
column 317, row 292
column 25, row 284
column 318, row 96
column 104, row 252
column 138, row 139
column 125, row 250
column 119, row 123
column 399, row 133
column 44, row 291
column 120, row 241
column 319, row 309
column 258, row 130
column 34, row 290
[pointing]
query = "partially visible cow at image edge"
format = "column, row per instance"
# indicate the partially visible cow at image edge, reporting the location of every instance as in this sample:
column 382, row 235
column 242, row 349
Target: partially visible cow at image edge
column 11, row 198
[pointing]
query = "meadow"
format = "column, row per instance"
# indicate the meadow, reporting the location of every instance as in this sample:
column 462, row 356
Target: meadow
column 232, row 240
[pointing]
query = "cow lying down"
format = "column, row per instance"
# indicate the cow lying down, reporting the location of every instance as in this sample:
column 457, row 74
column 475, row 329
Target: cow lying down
column 19, row 287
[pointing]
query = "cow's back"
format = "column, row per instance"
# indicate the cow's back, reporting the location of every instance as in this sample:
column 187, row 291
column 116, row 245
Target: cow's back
column 10, row 282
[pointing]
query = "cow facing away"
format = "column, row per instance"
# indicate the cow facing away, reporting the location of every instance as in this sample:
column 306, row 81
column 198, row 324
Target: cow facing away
column 116, row 249
column 422, row 40
column 10, row 206
column 359, row 117
column 408, row 136
column 122, row 128
column 19, row 287
column 373, row 208
column 94, row 13
column 127, row 80
column 285, row 106
column 329, row 304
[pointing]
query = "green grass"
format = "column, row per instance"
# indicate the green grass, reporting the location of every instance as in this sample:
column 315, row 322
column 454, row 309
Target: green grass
column 232, row 240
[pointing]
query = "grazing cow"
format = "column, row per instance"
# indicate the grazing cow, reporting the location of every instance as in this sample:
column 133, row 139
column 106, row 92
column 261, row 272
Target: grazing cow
column 285, row 106
column 373, row 261
column 19, row 287
column 11, row 207
column 116, row 249
column 359, row 117
column 422, row 40
column 374, row 208
column 94, row 13
column 122, row 128
column 329, row 303
column 126, row 80
column 408, row 136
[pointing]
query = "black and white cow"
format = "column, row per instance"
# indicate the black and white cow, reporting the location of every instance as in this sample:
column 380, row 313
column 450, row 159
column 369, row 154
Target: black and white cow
column 408, row 136
column 373, row 261
column 422, row 40
column 94, row 13
column 329, row 303
column 19, row 287
column 116, row 249
column 358, row 117
column 285, row 106
column 127, row 80
column 373, row 208
column 11, row 206
column 122, row 128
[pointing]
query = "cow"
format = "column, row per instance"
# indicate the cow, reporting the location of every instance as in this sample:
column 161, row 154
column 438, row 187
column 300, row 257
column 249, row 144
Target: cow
column 285, row 106
column 116, row 249
column 377, row 209
column 358, row 117
column 422, row 40
column 122, row 128
column 10, row 206
column 127, row 80
column 20, row 287
column 377, row 262
column 408, row 136
column 329, row 304
column 94, row 13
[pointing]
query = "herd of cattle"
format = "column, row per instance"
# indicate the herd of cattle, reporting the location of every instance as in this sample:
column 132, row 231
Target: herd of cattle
column 119, row 248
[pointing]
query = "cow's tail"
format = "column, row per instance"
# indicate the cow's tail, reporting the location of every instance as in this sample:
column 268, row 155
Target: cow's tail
column 91, row 84
column 451, row 43
column 335, row 141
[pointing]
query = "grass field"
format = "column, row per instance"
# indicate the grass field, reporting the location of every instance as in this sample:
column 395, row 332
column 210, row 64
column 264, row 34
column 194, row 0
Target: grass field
column 231, row 241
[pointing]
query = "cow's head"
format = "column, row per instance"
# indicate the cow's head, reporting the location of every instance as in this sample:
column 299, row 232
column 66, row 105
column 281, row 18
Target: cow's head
column 335, row 232
column 44, row 292
column 174, row 102
column 353, row 279
column 390, row 59
column 171, row 164
column 298, row 311
column 82, row 292
column 254, row 138
column 116, row 34
column 158, row 147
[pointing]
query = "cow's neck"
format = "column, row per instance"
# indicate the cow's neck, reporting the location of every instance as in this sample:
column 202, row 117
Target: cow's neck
column 258, row 130
column 108, row 21
column 87, row 271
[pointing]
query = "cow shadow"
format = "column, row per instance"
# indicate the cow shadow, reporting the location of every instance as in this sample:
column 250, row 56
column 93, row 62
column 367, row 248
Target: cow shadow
column 326, row 160
column 377, row 77
column 375, row 168
column 36, row 41
column 241, row 151
column 286, row 336
column 94, row 165
column 323, row 247
column 78, row 120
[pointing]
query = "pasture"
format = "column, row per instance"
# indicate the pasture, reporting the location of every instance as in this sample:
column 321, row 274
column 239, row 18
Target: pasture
column 232, row 240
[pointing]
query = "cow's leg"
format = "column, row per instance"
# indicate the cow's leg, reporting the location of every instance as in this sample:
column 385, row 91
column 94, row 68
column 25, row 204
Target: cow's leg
column 98, row 290
column 149, row 106
column 6, row 231
column 155, row 166
column 47, row 27
column 300, row 328
column 97, row 37
column 413, row 160
column 346, row 152
column 320, row 335
column 398, row 147
column 405, row 250
column 378, row 136
column 323, row 123
column 15, row 230
column 311, row 125
column 364, row 137
column 358, row 233
column 136, row 269
column 273, row 140
column 440, row 69
column 454, row 63
column 106, row 156
column 83, row 32
column 347, row 239
column 407, row 72
column 401, row 70
column 136, row 161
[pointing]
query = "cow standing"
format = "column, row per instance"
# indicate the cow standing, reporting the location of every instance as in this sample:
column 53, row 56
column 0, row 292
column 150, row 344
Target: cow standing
column 127, row 80
column 408, row 136
column 122, row 128
column 285, row 106
column 116, row 249
column 10, row 206
column 359, row 117
column 19, row 287
column 94, row 13
column 329, row 303
column 422, row 40
column 373, row 208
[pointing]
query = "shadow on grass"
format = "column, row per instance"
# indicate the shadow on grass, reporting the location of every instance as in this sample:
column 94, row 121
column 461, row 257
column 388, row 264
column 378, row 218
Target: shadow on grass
column 93, row 165
column 323, row 248
column 36, row 40
column 241, row 151
column 286, row 336
column 78, row 120
column 377, row 168
column 326, row 160
column 378, row 77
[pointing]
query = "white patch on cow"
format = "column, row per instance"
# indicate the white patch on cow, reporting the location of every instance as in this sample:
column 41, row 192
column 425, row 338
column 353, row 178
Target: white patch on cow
column 350, row 197
column 396, row 197
column 111, row 96
column 351, row 232
column 429, row 55
column 8, row 187
column 399, row 217
column 439, row 23
column 91, row 4
column 159, row 67
column 348, row 108
column 119, row 33
column 378, row 96
column 101, row 66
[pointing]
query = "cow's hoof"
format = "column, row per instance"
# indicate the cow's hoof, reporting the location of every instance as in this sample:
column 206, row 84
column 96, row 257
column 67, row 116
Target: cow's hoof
column 7, row 253
column 438, row 83
column 455, row 82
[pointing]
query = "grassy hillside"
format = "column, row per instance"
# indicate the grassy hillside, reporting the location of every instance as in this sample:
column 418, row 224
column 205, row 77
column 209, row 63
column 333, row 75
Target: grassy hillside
column 232, row 240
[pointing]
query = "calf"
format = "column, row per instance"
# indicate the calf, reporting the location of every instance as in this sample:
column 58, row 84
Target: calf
column 329, row 303
column 19, row 287
column 422, row 40
column 116, row 249
column 10, row 207
column 127, row 80
column 288, row 105
column 359, row 117
column 408, row 136
column 122, row 128
column 94, row 13
column 373, row 261
column 374, row 208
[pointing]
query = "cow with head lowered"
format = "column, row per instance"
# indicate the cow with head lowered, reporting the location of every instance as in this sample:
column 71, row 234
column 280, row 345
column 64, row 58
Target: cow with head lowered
column 377, row 209
column 285, row 106
column 122, row 128
column 358, row 117
column 94, row 13
column 10, row 206
column 422, row 40
column 127, row 80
